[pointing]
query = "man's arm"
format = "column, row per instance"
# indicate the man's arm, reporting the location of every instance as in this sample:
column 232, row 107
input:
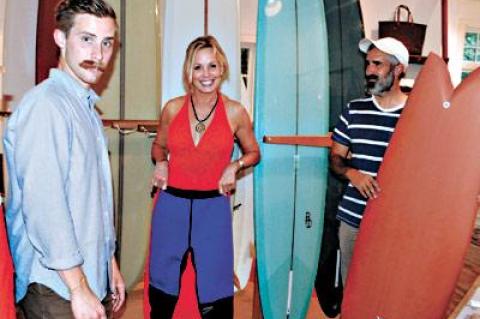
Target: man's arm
column 364, row 183
column 42, row 160
column 118, row 286
column 84, row 303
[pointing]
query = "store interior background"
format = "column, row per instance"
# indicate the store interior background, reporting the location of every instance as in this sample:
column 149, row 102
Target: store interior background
column 139, row 65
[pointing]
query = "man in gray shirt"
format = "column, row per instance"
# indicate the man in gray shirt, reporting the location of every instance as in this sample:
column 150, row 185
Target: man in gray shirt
column 60, row 210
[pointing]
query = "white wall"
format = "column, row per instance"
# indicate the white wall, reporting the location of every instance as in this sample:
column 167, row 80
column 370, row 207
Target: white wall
column 427, row 12
column 463, row 14
column 248, row 20
column 424, row 11
column 20, row 31
column 19, row 54
column 3, row 7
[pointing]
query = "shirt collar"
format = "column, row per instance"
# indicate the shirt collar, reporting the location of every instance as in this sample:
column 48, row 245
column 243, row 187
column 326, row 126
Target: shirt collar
column 72, row 84
column 393, row 108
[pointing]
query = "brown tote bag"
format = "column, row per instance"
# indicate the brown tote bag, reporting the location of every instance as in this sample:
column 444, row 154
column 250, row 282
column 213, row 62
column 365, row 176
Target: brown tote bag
column 409, row 33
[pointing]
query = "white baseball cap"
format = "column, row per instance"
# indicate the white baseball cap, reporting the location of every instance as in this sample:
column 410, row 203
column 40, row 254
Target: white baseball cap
column 388, row 45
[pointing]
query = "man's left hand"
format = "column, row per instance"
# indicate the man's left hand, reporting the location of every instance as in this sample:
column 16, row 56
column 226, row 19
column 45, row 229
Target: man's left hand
column 118, row 287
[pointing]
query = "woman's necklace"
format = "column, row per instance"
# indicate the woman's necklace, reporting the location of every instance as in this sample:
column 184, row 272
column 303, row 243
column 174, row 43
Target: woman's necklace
column 200, row 127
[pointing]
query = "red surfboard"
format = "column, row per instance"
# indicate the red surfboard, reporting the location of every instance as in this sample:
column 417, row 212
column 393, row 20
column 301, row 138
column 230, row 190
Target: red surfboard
column 7, row 309
column 414, row 236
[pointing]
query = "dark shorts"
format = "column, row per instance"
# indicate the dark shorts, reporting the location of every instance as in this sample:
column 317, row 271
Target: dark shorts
column 41, row 302
column 199, row 222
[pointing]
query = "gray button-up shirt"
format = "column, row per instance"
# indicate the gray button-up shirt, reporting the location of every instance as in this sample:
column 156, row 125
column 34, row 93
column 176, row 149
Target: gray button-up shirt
column 59, row 209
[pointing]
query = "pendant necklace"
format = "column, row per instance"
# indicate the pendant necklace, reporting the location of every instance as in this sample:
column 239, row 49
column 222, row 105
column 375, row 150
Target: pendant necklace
column 200, row 127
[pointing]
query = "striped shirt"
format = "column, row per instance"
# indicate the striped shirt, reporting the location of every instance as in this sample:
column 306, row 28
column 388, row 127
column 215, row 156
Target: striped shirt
column 365, row 128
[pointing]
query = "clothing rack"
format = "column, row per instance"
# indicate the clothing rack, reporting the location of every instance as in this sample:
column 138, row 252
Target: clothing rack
column 131, row 126
column 123, row 126
column 149, row 127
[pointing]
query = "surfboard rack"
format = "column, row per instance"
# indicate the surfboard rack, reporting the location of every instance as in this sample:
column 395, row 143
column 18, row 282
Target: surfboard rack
column 304, row 140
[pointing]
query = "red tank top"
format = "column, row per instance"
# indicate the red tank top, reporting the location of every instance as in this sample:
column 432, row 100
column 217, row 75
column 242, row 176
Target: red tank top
column 198, row 167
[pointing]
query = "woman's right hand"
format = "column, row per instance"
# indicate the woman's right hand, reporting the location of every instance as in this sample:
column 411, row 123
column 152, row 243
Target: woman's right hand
column 160, row 175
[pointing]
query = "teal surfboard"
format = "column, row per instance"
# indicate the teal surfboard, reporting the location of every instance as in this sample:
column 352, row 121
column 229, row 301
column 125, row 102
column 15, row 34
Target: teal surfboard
column 291, row 98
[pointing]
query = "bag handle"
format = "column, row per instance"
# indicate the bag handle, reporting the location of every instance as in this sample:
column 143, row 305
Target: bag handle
column 398, row 13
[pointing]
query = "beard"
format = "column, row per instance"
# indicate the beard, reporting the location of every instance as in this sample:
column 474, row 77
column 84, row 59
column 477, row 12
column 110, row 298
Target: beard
column 379, row 85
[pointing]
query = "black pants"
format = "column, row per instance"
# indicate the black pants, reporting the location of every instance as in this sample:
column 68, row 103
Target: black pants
column 163, row 305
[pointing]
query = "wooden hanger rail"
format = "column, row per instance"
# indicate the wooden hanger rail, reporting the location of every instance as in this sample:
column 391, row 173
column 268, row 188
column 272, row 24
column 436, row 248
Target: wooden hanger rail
column 144, row 126
column 150, row 126
column 303, row 140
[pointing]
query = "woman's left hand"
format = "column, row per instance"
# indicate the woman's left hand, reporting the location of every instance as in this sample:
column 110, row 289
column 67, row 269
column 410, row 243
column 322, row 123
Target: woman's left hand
column 227, row 182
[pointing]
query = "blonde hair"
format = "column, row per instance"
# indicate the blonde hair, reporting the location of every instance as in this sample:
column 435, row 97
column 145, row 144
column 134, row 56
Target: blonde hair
column 196, row 45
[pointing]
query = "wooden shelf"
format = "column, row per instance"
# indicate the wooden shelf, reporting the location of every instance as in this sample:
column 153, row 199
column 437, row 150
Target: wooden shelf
column 417, row 59
column 420, row 59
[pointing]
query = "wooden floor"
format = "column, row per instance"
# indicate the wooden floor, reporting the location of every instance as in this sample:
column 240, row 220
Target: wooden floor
column 243, row 305
column 244, row 299
column 469, row 273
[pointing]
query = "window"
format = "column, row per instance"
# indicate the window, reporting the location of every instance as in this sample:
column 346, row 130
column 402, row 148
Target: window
column 471, row 51
column 247, row 68
column 245, row 55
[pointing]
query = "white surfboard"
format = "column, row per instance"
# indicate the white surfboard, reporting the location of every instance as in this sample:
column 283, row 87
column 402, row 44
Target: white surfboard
column 184, row 21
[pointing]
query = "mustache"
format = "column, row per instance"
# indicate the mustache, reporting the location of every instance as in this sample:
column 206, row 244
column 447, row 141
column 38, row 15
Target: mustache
column 89, row 64
column 371, row 81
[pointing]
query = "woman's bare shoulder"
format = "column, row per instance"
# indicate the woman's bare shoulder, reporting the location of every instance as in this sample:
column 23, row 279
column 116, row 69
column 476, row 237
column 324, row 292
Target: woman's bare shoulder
column 233, row 107
column 173, row 106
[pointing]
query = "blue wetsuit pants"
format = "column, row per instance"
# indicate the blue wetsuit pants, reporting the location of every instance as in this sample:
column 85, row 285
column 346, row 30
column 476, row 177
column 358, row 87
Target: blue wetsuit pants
column 199, row 222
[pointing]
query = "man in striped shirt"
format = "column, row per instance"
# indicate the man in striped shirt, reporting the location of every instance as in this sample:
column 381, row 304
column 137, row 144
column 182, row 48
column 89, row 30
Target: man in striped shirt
column 362, row 134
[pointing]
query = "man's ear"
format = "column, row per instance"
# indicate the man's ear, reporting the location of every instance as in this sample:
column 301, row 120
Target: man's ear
column 399, row 69
column 60, row 38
